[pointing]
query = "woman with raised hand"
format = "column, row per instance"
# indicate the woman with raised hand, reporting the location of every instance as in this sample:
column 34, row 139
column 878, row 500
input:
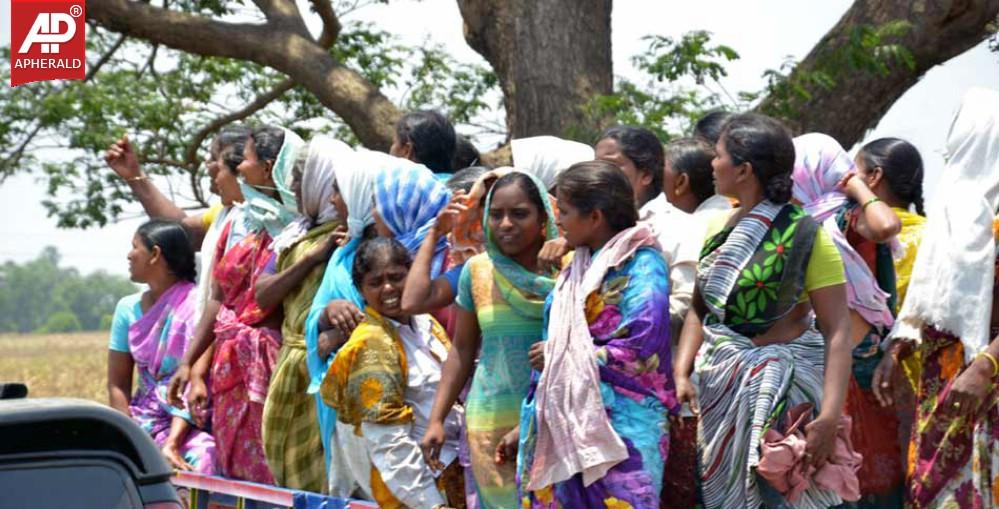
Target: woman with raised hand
column 766, row 267
column 501, row 297
column 382, row 384
column 244, row 336
column 225, row 154
column 950, row 318
column 150, row 332
column 893, row 169
column 593, row 429
column 860, row 225
column 290, row 428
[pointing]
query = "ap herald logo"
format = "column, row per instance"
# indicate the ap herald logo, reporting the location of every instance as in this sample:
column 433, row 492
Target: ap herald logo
column 47, row 40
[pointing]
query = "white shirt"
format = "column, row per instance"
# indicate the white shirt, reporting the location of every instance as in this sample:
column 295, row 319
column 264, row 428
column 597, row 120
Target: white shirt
column 394, row 449
column 680, row 235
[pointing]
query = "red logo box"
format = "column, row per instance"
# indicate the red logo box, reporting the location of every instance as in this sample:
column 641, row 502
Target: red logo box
column 47, row 40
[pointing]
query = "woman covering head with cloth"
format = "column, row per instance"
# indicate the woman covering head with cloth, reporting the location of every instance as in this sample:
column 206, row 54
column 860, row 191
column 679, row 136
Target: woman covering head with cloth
column 244, row 336
column 546, row 157
column 593, row 429
column 950, row 317
column 290, row 428
column 501, row 297
column 858, row 223
column 764, row 268
column 382, row 384
column 150, row 333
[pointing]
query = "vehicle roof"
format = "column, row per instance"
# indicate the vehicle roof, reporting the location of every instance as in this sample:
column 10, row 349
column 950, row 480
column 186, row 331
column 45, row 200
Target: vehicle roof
column 46, row 426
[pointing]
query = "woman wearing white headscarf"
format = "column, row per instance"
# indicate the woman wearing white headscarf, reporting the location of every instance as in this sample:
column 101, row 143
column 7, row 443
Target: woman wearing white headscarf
column 547, row 156
column 291, row 437
column 950, row 317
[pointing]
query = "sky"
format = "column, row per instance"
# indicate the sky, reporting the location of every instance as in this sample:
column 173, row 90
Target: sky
column 764, row 32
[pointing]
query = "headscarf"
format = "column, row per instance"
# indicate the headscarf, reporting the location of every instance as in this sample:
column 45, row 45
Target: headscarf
column 261, row 212
column 524, row 291
column 546, row 157
column 317, row 163
column 355, row 176
column 820, row 164
column 408, row 198
column 954, row 273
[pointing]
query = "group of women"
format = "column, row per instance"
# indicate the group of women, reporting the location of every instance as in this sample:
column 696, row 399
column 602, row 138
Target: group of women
column 737, row 319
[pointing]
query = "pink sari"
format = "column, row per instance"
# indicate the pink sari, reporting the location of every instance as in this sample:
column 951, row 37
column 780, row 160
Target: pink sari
column 245, row 355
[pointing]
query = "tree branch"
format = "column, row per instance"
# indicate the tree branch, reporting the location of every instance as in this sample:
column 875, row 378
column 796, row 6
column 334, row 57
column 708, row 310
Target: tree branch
column 104, row 58
column 290, row 51
column 331, row 24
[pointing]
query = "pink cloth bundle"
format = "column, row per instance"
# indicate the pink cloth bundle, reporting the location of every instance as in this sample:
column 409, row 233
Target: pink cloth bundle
column 782, row 461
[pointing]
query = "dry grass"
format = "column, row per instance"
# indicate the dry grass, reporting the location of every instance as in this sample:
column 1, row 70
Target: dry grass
column 68, row 365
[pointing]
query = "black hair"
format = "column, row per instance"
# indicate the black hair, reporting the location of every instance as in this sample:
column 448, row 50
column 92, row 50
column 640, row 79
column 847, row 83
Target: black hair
column 709, row 127
column 524, row 182
column 267, row 142
column 902, row 167
column 465, row 178
column 174, row 244
column 766, row 145
column 432, row 136
column 692, row 157
column 465, row 153
column 644, row 149
column 599, row 185
column 378, row 251
column 229, row 144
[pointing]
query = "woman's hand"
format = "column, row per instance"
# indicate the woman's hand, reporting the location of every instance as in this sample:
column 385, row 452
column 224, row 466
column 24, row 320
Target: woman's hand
column 820, row 438
column 536, row 356
column 321, row 252
column 173, row 456
column 551, row 254
column 343, row 316
column 329, row 342
column 197, row 399
column 121, row 157
column 433, row 440
column 177, row 385
column 686, row 394
column 885, row 372
column 506, row 449
column 341, row 235
column 448, row 217
column 970, row 389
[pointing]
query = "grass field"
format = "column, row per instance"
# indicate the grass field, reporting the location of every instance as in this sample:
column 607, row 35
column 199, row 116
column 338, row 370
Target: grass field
column 70, row 365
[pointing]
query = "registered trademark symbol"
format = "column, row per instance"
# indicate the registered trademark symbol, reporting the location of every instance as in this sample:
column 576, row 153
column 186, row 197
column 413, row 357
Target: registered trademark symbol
column 76, row 11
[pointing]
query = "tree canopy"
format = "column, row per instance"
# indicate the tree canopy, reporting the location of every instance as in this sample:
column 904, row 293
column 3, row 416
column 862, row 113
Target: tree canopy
column 170, row 73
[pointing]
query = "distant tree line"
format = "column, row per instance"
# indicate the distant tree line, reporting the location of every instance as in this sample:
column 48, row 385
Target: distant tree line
column 41, row 297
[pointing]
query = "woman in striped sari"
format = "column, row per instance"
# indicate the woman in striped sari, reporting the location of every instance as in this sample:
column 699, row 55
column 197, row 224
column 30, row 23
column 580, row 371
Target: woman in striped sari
column 291, row 436
column 764, row 269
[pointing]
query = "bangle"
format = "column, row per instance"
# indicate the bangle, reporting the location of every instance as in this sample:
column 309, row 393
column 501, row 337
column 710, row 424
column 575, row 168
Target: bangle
column 137, row 178
column 868, row 202
column 992, row 359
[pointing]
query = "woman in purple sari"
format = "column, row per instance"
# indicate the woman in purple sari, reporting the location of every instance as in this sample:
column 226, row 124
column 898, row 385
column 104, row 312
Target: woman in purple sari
column 150, row 333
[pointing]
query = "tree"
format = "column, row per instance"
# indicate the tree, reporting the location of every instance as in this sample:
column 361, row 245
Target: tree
column 170, row 68
column 40, row 296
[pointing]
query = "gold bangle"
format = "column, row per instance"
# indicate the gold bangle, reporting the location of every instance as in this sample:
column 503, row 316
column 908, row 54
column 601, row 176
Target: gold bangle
column 137, row 178
column 993, row 360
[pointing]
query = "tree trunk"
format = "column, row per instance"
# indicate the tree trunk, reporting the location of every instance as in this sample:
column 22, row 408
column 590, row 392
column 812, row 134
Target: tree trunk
column 940, row 30
column 551, row 57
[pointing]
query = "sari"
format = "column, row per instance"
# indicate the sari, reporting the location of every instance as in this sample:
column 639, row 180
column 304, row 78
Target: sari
column 245, row 351
column 750, row 276
column 508, row 302
column 953, row 460
column 383, row 397
column 908, row 239
column 291, row 436
column 157, row 341
column 608, row 352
